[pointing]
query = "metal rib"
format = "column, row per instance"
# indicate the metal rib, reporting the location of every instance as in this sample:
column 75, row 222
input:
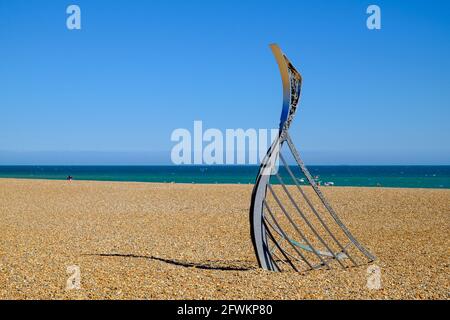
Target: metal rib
column 314, row 210
column 307, row 221
column 283, row 234
column 278, row 246
column 277, row 268
column 287, row 252
column 279, row 259
column 295, row 226
column 274, row 246
column 324, row 201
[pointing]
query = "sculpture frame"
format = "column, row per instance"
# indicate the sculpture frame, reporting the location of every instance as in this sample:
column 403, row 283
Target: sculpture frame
column 263, row 224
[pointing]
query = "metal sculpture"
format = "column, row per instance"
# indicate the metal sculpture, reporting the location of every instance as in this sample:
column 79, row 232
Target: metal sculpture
column 293, row 226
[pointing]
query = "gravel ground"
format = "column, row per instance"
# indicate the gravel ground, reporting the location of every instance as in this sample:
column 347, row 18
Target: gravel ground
column 183, row 241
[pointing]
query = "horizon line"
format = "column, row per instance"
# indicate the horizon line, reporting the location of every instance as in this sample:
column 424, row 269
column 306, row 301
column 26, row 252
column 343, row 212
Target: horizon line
column 215, row 165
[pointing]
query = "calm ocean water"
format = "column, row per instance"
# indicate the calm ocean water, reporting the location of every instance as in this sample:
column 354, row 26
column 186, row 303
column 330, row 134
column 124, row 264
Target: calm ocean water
column 386, row 176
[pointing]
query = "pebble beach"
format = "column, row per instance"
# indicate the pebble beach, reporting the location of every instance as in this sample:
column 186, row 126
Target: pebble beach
column 191, row 241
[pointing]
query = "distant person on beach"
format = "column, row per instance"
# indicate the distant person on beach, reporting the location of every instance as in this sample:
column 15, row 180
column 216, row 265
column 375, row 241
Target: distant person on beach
column 69, row 178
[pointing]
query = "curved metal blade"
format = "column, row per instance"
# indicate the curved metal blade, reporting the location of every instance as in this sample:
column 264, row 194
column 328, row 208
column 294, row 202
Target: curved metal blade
column 292, row 82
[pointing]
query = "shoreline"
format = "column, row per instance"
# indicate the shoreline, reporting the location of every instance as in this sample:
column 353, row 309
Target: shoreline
column 215, row 184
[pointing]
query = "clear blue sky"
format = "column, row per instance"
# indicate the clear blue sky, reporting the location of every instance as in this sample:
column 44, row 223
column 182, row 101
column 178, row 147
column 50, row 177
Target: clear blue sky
column 113, row 91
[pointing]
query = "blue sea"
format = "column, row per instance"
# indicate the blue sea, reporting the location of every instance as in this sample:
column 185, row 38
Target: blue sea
column 368, row 176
